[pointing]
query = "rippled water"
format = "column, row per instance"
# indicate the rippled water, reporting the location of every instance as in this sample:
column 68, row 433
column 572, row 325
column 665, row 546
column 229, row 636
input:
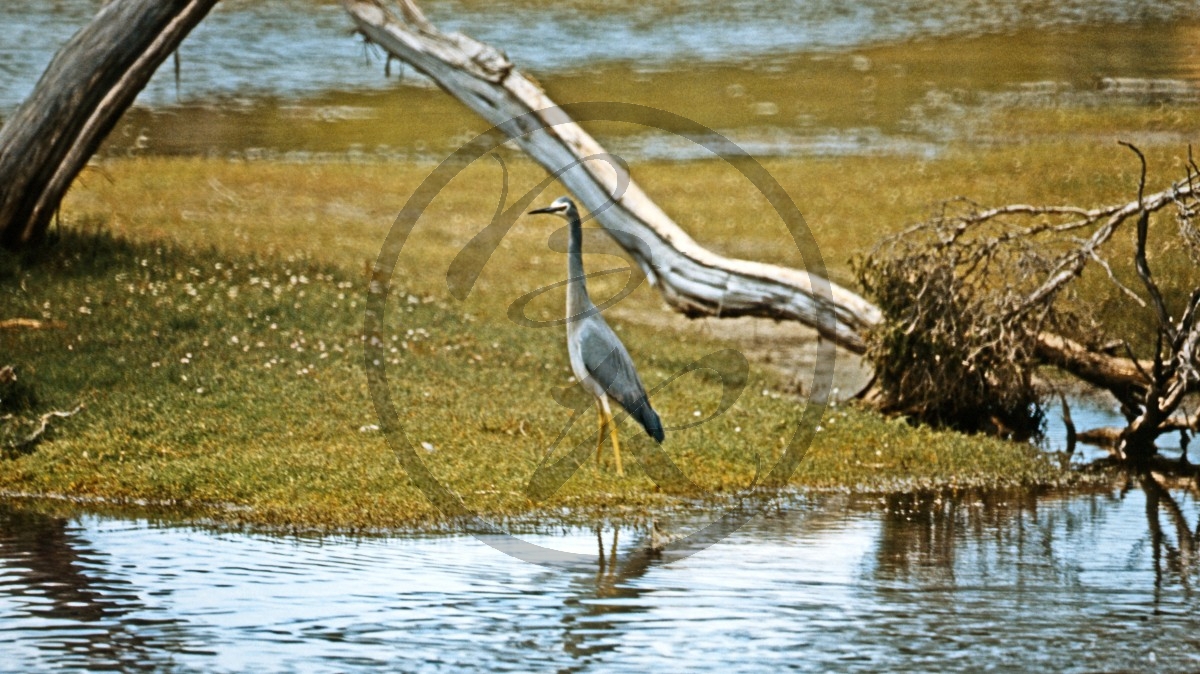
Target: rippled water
column 302, row 47
column 1008, row 582
column 285, row 79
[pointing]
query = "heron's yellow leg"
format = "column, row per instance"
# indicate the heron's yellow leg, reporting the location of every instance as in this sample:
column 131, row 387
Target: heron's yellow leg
column 600, row 434
column 612, row 430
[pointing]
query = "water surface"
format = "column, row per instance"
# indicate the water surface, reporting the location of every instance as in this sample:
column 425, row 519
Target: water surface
column 1000, row 582
column 302, row 47
column 286, row 79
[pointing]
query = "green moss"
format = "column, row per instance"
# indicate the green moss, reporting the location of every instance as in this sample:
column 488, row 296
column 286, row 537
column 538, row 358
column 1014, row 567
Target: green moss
column 233, row 385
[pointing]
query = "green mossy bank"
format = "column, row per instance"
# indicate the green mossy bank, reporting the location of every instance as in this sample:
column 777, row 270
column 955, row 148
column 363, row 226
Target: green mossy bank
column 233, row 385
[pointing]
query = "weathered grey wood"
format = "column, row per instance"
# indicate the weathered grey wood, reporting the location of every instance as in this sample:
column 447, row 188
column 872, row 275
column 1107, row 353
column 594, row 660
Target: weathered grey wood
column 692, row 279
column 88, row 85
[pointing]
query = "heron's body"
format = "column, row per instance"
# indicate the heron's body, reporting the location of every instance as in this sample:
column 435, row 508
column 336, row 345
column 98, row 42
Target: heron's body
column 598, row 358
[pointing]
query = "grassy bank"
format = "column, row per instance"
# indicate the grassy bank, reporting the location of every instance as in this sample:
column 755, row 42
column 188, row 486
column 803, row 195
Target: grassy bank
column 212, row 314
column 222, row 365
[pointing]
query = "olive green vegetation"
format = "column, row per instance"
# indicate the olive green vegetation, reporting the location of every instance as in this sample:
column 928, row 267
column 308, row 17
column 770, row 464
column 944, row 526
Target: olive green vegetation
column 214, row 306
column 341, row 211
column 214, row 313
column 233, row 383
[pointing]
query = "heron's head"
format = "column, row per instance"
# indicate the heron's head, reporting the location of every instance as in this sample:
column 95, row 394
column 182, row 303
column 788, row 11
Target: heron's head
column 561, row 207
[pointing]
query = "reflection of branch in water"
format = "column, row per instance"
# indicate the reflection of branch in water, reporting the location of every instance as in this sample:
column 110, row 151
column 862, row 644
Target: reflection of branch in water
column 918, row 529
column 937, row 538
column 921, row 532
column 1156, row 533
column 51, row 574
column 1180, row 561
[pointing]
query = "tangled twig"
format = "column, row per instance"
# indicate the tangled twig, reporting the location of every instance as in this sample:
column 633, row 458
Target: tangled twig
column 975, row 299
column 28, row 441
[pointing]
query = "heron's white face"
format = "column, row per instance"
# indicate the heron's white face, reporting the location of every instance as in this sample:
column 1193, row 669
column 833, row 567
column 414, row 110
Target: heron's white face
column 560, row 207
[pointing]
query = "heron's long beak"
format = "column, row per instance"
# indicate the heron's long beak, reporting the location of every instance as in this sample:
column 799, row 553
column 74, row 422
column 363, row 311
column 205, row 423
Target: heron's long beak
column 548, row 209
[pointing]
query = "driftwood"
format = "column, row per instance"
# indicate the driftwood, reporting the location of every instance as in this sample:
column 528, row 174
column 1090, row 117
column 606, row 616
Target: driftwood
column 692, row 279
column 30, row 324
column 1121, row 376
column 27, row 441
column 698, row 282
column 972, row 300
column 88, row 85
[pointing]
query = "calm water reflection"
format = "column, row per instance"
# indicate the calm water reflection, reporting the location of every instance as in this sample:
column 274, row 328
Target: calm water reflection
column 1011, row 581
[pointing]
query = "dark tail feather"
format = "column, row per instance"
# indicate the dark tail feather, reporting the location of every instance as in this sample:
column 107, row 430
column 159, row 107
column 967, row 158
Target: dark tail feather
column 648, row 418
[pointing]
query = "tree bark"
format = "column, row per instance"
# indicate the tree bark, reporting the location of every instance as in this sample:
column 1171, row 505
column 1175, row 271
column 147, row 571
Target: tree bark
column 692, row 279
column 88, row 85
column 1121, row 376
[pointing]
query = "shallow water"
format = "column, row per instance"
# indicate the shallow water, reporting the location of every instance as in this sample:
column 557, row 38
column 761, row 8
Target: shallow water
column 302, row 47
column 284, row 79
column 1008, row 582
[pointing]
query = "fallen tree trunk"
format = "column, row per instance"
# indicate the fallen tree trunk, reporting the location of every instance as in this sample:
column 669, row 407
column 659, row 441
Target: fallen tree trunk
column 692, row 279
column 88, row 85
column 698, row 282
column 1122, row 377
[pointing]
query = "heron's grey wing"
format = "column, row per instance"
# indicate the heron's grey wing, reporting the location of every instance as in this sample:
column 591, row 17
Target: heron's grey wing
column 607, row 361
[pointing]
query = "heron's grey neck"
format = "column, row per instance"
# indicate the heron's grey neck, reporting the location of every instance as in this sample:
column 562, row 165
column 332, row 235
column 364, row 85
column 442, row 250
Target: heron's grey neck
column 577, row 295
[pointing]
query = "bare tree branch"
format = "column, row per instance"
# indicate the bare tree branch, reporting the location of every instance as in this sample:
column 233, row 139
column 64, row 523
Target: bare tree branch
column 29, row 440
column 88, row 85
column 692, row 279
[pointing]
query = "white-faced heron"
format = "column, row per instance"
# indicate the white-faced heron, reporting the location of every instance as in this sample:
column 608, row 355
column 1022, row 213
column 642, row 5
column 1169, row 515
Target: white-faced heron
column 598, row 358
